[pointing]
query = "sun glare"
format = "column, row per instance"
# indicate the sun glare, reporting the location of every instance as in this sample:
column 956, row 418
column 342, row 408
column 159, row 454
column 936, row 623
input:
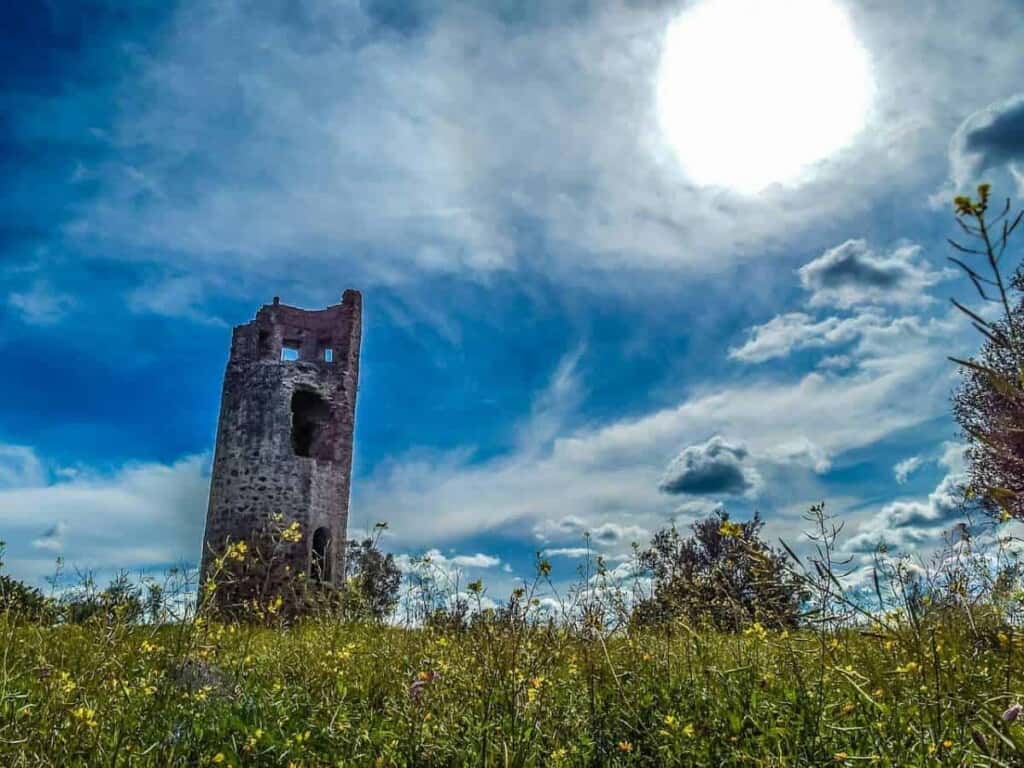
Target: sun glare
column 753, row 92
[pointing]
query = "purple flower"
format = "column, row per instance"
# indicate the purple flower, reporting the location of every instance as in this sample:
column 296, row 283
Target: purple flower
column 1012, row 713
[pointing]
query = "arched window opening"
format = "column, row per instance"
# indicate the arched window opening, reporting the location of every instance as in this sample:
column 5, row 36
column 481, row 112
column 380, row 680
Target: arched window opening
column 310, row 421
column 320, row 565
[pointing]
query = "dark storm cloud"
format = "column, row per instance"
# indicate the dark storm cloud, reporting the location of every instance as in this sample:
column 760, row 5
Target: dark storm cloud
column 714, row 467
column 988, row 139
column 997, row 134
column 852, row 273
column 851, row 264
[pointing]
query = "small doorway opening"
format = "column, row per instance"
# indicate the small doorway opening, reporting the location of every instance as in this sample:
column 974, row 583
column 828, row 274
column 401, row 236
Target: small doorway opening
column 320, row 563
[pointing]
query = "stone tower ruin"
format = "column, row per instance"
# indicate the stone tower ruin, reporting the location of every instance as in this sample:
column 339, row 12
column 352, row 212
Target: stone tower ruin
column 284, row 443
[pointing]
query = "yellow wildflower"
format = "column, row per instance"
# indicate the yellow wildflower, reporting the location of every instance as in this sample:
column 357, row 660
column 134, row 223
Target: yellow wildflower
column 85, row 715
column 730, row 530
column 757, row 631
column 66, row 683
column 625, row 746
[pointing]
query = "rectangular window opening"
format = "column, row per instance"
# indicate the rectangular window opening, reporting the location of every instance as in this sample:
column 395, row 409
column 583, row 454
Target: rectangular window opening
column 328, row 355
column 290, row 351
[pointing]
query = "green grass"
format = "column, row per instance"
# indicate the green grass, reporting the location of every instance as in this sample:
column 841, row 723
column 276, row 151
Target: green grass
column 326, row 693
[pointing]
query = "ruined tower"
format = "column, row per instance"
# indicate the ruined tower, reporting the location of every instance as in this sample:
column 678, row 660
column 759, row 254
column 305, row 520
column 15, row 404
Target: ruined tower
column 284, row 441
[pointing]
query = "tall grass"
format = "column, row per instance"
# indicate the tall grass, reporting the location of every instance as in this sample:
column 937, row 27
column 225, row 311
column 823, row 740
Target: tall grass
column 926, row 683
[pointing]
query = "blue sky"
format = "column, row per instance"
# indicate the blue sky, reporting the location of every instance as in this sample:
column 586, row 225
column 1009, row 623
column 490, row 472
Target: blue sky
column 563, row 332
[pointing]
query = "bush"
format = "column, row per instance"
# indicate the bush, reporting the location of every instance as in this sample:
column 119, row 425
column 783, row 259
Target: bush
column 20, row 600
column 372, row 581
column 121, row 602
column 723, row 576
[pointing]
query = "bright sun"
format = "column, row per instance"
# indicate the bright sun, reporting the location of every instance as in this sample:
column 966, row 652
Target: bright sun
column 752, row 92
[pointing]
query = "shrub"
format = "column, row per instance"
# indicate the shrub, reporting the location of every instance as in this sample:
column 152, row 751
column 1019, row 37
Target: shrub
column 372, row 581
column 723, row 575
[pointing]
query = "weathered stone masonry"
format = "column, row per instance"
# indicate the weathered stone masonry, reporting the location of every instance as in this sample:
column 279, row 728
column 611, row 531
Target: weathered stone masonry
column 284, row 439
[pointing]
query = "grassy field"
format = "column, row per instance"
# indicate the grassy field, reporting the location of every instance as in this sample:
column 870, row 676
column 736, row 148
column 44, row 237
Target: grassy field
column 325, row 693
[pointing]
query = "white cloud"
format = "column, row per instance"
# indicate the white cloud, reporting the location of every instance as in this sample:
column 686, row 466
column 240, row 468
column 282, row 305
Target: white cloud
column 572, row 529
column 140, row 516
column 801, row 451
column 787, row 432
column 479, row 560
column 852, row 274
column 451, row 562
column 914, row 524
column 20, row 467
column 953, row 457
column 573, row 553
column 449, row 572
column 836, row 363
column 905, row 468
column 605, row 478
column 174, row 296
column 781, row 335
column 436, row 146
column 869, row 335
column 52, row 539
column 554, row 405
column 784, row 334
column 692, row 509
column 41, row 304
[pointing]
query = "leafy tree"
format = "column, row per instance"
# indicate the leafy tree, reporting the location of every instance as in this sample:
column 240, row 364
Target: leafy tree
column 20, row 599
column 989, row 403
column 120, row 602
column 372, row 580
column 723, row 575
